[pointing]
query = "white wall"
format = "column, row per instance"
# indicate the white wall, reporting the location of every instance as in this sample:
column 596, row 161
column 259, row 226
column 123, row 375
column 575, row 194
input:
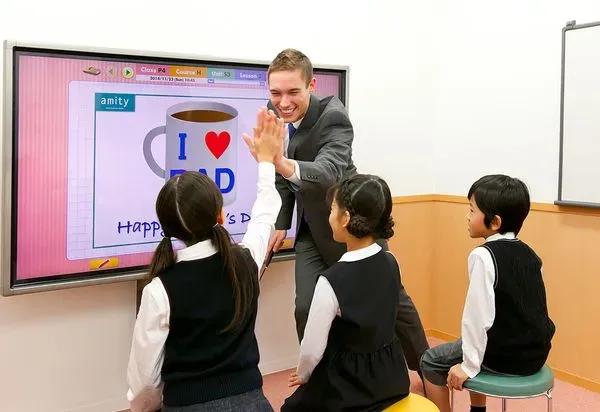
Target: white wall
column 66, row 350
column 275, row 325
column 498, row 91
column 85, row 333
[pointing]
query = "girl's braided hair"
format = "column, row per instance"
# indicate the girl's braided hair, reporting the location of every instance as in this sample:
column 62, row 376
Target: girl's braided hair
column 368, row 200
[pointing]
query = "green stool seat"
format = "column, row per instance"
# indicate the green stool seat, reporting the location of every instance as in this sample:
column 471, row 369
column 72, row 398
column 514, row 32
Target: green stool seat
column 512, row 386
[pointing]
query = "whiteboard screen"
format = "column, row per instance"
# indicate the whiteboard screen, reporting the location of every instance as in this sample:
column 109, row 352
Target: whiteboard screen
column 90, row 138
column 580, row 139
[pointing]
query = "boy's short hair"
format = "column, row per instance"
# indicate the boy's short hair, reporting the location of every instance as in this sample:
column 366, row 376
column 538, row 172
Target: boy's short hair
column 292, row 59
column 504, row 196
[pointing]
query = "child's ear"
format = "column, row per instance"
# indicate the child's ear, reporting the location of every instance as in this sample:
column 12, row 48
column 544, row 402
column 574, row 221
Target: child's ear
column 345, row 218
column 221, row 217
column 496, row 223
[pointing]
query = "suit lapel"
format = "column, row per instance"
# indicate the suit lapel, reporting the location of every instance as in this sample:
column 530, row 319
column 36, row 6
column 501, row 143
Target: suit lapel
column 311, row 117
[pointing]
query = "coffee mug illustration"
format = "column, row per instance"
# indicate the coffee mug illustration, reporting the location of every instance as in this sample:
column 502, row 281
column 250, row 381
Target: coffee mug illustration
column 200, row 136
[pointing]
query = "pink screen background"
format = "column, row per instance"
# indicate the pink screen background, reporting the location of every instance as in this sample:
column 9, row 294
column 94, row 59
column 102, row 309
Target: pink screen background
column 43, row 161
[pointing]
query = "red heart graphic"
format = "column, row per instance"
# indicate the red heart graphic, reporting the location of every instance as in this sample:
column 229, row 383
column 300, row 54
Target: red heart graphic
column 217, row 143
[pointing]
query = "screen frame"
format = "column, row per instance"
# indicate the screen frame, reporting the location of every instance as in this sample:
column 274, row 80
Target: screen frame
column 8, row 205
column 570, row 25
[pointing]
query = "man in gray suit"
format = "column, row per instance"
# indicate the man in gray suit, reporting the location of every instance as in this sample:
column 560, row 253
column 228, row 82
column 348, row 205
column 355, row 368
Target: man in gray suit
column 318, row 154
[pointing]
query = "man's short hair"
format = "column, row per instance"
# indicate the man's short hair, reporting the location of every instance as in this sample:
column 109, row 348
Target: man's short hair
column 292, row 59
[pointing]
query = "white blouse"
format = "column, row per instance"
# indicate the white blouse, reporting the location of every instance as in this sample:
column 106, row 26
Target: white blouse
column 152, row 324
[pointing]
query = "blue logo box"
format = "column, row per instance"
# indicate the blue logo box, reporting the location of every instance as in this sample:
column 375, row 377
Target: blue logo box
column 115, row 102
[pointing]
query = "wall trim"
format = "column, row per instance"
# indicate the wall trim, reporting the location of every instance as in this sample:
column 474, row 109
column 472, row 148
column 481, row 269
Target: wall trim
column 414, row 199
column 536, row 206
column 114, row 404
column 559, row 374
column 440, row 335
column 576, row 380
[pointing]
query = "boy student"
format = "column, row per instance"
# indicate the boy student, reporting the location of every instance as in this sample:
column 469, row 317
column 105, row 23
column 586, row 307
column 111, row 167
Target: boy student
column 505, row 323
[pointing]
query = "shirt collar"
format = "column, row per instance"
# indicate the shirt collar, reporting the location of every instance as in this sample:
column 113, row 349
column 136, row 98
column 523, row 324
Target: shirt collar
column 360, row 254
column 498, row 236
column 198, row 250
column 296, row 124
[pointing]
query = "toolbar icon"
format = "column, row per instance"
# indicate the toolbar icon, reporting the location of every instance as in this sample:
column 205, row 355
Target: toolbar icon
column 127, row 72
column 92, row 70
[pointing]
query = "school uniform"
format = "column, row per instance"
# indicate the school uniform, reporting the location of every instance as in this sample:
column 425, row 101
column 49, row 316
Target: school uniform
column 350, row 357
column 505, row 326
column 179, row 349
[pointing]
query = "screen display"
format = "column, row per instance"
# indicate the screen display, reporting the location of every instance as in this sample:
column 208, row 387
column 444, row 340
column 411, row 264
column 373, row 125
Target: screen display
column 96, row 135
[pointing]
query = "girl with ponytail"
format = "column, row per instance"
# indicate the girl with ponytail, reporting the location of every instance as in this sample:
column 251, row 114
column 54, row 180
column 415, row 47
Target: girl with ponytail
column 350, row 357
column 194, row 346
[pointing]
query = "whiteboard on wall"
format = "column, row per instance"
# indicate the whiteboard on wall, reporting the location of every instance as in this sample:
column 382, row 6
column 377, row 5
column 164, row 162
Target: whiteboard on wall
column 579, row 172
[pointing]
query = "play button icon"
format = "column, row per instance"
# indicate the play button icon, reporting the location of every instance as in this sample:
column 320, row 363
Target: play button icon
column 127, row 72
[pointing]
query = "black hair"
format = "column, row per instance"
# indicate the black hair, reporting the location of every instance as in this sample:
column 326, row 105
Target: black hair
column 504, row 196
column 187, row 208
column 368, row 200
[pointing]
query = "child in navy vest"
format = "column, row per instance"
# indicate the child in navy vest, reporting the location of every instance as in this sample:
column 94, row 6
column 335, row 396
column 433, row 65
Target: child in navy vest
column 505, row 324
column 350, row 357
column 193, row 344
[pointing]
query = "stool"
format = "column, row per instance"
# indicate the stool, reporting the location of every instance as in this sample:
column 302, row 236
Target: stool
column 511, row 387
column 413, row 403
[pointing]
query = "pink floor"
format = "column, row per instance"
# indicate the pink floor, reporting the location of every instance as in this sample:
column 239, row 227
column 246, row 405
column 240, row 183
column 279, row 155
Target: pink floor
column 567, row 397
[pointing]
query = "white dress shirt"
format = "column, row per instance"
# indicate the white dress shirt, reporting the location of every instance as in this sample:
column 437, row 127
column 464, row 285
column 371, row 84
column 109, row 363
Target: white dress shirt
column 152, row 324
column 323, row 310
column 480, row 306
column 295, row 177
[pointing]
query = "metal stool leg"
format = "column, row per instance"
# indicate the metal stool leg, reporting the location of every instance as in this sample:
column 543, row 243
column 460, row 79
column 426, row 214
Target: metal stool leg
column 503, row 405
column 549, row 397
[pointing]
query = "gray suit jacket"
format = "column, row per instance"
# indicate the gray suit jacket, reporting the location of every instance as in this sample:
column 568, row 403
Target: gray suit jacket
column 322, row 146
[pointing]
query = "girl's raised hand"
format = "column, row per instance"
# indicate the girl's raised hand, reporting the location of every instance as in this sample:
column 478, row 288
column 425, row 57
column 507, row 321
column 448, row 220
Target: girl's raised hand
column 268, row 138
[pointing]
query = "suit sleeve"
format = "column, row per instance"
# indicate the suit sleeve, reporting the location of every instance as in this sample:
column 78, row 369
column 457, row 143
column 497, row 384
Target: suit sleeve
column 334, row 154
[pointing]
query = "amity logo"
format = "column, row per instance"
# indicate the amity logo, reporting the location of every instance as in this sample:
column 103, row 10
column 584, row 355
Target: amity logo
column 115, row 102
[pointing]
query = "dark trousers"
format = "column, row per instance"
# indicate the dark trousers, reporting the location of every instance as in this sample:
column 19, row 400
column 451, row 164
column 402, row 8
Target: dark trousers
column 310, row 265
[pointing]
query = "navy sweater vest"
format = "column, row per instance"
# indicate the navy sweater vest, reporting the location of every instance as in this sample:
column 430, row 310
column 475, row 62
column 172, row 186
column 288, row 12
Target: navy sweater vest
column 519, row 339
column 202, row 363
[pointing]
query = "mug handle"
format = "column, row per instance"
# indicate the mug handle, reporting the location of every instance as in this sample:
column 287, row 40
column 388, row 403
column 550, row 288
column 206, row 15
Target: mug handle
column 157, row 131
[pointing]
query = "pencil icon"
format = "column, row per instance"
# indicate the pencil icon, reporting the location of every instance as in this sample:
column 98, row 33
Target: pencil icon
column 104, row 263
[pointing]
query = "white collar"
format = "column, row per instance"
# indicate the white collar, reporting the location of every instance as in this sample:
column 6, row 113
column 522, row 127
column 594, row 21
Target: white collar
column 296, row 124
column 198, row 250
column 360, row 254
column 498, row 236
